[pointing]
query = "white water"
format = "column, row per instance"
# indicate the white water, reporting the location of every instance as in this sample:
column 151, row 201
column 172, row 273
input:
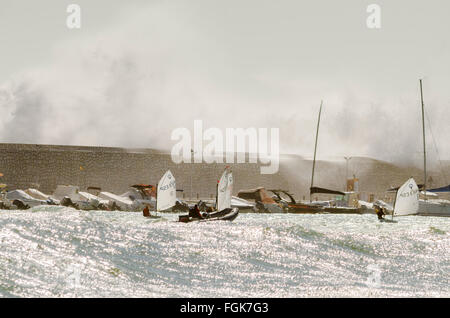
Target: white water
column 61, row 252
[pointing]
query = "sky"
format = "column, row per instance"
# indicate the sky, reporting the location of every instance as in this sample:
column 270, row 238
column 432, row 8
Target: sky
column 137, row 70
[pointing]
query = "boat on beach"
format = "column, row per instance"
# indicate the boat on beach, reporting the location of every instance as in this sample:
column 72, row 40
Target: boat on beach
column 71, row 196
column 332, row 206
column 317, row 206
column 141, row 195
column 118, row 202
column 264, row 203
column 290, row 205
column 23, row 200
column 342, row 210
column 434, row 207
column 426, row 206
column 41, row 196
column 244, row 206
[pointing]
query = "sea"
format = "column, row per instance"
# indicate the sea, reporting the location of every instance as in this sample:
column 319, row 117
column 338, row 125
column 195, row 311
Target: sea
column 53, row 251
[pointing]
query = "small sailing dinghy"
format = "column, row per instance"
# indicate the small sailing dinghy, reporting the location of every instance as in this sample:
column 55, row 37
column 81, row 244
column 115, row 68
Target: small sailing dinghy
column 166, row 195
column 223, row 203
column 406, row 201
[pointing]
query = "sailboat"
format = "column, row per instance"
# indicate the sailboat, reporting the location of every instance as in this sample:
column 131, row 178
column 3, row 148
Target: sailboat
column 224, row 190
column 406, row 200
column 430, row 207
column 224, row 211
column 166, row 194
column 314, row 207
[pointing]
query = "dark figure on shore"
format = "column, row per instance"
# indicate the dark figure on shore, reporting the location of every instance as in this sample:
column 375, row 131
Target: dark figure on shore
column 379, row 211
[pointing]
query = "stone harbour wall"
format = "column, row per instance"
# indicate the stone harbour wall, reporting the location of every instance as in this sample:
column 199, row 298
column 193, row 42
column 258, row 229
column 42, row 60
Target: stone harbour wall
column 115, row 169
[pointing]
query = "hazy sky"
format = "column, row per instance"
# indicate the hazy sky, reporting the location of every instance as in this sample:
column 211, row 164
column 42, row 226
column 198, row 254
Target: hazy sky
column 138, row 69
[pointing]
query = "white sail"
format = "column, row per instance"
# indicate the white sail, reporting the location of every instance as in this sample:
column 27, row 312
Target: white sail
column 407, row 200
column 167, row 192
column 224, row 190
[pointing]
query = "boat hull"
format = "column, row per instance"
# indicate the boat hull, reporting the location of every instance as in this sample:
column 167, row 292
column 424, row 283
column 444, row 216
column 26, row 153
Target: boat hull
column 224, row 215
column 299, row 208
column 387, row 221
column 338, row 210
column 434, row 208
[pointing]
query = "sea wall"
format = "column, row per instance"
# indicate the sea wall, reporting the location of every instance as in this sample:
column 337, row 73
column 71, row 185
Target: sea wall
column 115, row 169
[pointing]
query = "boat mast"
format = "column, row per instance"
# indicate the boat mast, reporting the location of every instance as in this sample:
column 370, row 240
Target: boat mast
column 424, row 144
column 156, row 198
column 217, row 195
column 393, row 207
column 315, row 150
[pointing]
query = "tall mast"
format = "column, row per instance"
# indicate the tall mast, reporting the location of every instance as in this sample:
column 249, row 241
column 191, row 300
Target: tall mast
column 424, row 144
column 315, row 150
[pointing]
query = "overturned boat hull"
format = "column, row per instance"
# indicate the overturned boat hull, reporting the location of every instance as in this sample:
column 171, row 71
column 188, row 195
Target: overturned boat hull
column 23, row 201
